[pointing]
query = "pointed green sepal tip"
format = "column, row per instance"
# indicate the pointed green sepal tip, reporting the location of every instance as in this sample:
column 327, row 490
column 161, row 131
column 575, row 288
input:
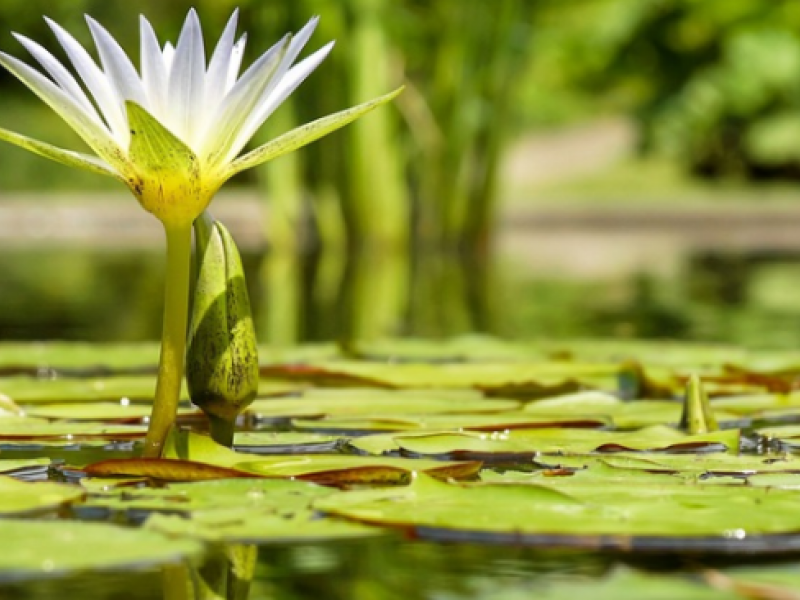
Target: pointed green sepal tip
column 65, row 157
column 305, row 134
column 222, row 356
column 697, row 416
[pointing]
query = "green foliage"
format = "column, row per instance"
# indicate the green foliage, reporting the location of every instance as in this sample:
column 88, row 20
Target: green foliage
column 715, row 84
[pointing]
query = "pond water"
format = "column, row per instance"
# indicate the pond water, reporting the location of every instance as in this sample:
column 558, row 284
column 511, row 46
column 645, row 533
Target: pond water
column 82, row 294
column 704, row 295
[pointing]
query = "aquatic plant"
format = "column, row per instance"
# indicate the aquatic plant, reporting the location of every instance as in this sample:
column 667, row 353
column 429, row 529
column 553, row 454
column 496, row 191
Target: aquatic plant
column 173, row 132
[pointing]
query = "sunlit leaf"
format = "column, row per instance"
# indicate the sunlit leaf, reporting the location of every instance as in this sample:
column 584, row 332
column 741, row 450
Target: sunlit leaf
column 37, row 549
column 18, row 498
column 532, row 441
column 531, row 513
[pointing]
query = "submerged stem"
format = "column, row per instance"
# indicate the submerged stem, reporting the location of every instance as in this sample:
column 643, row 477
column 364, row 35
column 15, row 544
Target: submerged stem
column 173, row 337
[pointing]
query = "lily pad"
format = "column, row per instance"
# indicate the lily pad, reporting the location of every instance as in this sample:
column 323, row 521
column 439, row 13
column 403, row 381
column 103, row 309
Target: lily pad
column 285, row 442
column 491, row 422
column 193, row 457
column 359, row 401
column 101, row 411
column 253, row 528
column 623, row 414
column 25, row 390
column 36, row 549
column 533, row 441
column 258, row 496
column 719, row 518
column 540, row 377
column 18, row 498
column 27, row 430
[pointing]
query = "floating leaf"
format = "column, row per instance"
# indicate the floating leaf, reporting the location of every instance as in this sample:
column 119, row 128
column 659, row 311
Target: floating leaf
column 530, row 442
column 101, row 411
column 474, row 422
column 543, row 377
column 360, row 401
column 36, row 549
column 285, row 442
column 19, row 498
column 722, row 518
column 251, row 527
column 24, row 390
column 339, row 470
column 65, row 433
column 164, row 469
column 258, row 496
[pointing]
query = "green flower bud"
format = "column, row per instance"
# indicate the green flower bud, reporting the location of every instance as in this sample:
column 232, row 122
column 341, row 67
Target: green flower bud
column 222, row 356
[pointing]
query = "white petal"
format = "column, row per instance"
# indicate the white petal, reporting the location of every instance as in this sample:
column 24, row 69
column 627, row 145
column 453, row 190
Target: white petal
column 275, row 97
column 223, row 127
column 169, row 55
column 236, row 62
column 154, row 71
column 218, row 67
column 117, row 66
column 97, row 83
column 187, row 80
column 93, row 133
column 61, row 76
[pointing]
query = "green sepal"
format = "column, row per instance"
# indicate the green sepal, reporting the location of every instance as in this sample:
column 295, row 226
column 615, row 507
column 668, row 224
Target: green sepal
column 697, row 416
column 300, row 136
column 60, row 155
column 222, row 355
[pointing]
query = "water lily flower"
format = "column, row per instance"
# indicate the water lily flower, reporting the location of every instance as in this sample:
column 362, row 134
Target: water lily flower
column 173, row 132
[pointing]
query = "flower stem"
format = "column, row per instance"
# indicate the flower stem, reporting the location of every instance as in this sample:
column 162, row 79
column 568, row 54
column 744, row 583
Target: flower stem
column 173, row 338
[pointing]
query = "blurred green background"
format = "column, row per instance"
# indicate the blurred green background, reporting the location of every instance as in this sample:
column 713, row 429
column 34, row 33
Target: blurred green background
column 435, row 216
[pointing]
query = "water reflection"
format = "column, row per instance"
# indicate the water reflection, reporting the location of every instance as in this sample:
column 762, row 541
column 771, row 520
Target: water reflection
column 116, row 296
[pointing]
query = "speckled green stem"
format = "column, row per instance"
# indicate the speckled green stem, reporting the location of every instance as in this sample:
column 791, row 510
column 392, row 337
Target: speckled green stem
column 173, row 337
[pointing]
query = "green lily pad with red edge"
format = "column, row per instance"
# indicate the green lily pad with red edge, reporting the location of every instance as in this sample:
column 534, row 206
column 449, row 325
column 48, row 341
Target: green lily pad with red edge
column 37, row 549
column 27, row 431
column 361, row 401
column 22, row 498
column 190, row 456
column 125, row 357
column 60, row 356
column 101, row 411
column 624, row 415
column 532, row 441
column 297, row 442
column 723, row 518
column 490, row 377
column 279, row 497
column 65, row 433
column 251, row 527
column 437, row 422
column 26, row 390
column 712, row 464
column 468, row 348
column 162, row 469
column 674, row 355
column 342, row 469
